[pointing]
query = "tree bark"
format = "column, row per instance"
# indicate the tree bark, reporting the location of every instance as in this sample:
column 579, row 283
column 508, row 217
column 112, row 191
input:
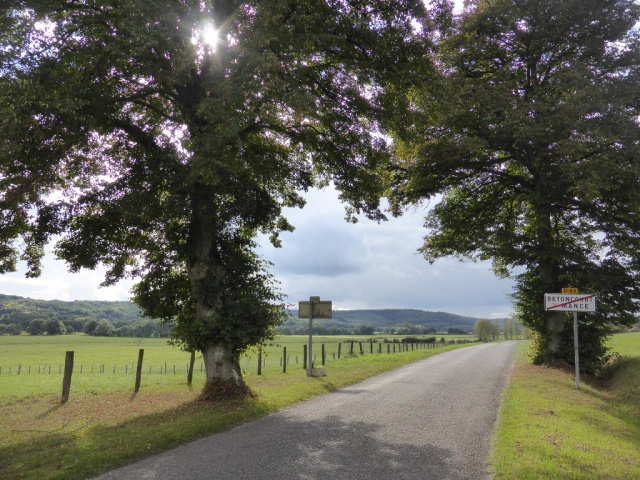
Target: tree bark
column 548, row 270
column 221, row 361
column 555, row 325
column 222, row 365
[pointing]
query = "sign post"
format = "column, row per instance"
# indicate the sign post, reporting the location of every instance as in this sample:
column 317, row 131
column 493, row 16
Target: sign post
column 570, row 301
column 576, row 351
column 314, row 308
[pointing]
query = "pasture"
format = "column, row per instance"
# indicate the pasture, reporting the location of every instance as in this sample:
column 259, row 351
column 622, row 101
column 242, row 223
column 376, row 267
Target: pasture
column 33, row 365
column 105, row 424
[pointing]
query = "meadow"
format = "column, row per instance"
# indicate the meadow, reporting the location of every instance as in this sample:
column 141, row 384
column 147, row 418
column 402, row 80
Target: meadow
column 33, row 365
column 105, row 424
column 546, row 427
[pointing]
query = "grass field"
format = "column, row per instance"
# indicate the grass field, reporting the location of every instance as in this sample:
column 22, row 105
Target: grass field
column 546, row 427
column 549, row 429
column 105, row 425
column 33, row 365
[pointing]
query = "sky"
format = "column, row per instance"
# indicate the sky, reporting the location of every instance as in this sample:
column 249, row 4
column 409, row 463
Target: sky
column 366, row 265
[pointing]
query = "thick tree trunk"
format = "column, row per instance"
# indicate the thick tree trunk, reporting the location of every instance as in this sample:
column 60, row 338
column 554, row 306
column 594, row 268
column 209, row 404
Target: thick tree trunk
column 222, row 365
column 221, row 361
column 555, row 325
column 548, row 270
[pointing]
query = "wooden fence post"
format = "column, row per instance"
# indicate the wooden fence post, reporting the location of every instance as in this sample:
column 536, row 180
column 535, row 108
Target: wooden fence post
column 260, row 361
column 66, row 381
column 139, row 370
column 339, row 349
column 284, row 359
column 323, row 354
column 304, row 357
column 192, row 362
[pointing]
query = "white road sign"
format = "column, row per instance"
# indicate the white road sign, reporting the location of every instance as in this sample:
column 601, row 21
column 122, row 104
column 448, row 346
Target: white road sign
column 561, row 302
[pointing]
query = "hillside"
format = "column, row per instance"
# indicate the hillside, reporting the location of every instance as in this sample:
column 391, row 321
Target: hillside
column 20, row 310
column 123, row 316
column 14, row 308
column 387, row 319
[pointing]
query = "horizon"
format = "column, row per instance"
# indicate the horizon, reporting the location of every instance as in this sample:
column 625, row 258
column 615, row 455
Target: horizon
column 288, row 309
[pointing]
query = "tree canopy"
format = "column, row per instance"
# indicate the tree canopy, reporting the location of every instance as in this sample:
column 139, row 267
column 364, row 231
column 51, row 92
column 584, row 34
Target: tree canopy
column 532, row 138
column 158, row 137
column 486, row 330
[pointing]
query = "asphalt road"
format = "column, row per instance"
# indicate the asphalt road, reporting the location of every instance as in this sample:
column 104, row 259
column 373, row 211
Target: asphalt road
column 429, row 420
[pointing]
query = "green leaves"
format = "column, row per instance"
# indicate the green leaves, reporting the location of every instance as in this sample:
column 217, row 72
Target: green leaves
column 161, row 157
column 531, row 136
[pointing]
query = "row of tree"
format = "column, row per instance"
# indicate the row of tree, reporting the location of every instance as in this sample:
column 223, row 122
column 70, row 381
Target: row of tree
column 100, row 328
column 362, row 330
column 75, row 314
column 146, row 144
column 487, row 330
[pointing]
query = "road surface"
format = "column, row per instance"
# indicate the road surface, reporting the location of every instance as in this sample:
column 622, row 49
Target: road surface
column 429, row 420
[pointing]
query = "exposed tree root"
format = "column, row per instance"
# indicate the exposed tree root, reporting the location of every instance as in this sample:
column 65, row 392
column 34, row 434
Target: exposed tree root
column 219, row 390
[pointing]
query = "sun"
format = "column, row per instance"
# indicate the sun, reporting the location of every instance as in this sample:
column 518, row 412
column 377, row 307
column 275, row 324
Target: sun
column 206, row 36
column 210, row 36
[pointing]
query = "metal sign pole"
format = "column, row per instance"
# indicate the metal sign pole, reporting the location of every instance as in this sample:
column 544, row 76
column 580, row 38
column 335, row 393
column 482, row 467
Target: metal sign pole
column 575, row 346
column 570, row 301
column 310, row 364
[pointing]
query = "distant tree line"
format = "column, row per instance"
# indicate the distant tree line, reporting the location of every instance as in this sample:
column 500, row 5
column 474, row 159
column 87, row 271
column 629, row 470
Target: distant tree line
column 98, row 328
column 487, row 330
column 19, row 315
column 107, row 319
column 405, row 329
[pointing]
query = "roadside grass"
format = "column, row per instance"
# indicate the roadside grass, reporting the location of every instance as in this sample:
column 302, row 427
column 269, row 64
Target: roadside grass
column 549, row 429
column 102, row 429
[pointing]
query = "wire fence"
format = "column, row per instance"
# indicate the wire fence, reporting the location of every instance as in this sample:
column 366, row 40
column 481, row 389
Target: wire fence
column 262, row 363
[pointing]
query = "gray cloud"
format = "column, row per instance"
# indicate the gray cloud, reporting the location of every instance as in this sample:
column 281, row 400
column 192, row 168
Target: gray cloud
column 366, row 265
column 370, row 265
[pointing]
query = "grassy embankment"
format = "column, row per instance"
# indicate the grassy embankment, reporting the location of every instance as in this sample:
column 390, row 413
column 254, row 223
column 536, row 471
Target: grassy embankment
column 549, row 429
column 105, row 425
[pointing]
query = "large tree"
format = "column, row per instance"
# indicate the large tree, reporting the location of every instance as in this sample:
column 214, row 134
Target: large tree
column 532, row 139
column 157, row 137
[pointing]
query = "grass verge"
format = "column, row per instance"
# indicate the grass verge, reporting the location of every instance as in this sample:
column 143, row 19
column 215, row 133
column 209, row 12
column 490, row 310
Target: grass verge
column 96, row 432
column 549, row 429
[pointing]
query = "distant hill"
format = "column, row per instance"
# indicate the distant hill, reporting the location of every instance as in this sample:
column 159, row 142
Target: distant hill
column 15, row 309
column 125, row 312
column 385, row 319
column 20, row 310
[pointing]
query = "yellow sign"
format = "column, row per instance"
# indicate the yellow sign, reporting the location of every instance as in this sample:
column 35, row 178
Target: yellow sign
column 570, row 290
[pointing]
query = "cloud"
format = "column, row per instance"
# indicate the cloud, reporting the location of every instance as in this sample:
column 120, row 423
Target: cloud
column 362, row 265
column 370, row 265
column 57, row 283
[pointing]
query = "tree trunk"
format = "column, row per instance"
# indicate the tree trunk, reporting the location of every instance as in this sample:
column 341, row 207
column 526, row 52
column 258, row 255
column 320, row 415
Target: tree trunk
column 548, row 269
column 555, row 325
column 221, row 361
column 222, row 365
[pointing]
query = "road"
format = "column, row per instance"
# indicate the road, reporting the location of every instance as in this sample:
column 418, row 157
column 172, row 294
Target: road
column 429, row 420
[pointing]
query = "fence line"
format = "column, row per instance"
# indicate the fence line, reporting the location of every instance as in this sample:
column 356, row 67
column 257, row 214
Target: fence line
column 356, row 348
column 189, row 368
